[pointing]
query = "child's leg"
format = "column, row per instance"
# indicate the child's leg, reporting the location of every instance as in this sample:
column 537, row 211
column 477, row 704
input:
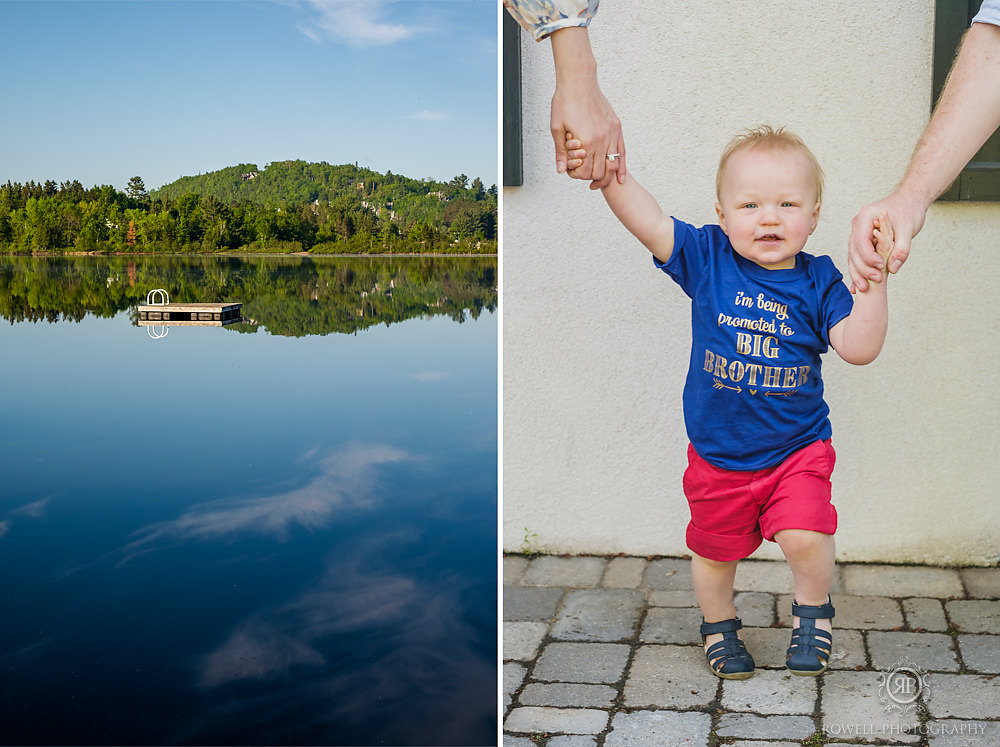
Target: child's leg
column 713, row 585
column 811, row 557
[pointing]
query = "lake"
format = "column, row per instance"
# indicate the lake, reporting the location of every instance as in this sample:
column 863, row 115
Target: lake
column 281, row 531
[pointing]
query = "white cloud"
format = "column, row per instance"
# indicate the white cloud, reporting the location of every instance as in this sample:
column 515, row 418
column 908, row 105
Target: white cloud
column 357, row 22
column 429, row 376
column 429, row 116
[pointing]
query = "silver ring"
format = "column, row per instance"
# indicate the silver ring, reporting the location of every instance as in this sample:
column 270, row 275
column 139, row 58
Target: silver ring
column 613, row 156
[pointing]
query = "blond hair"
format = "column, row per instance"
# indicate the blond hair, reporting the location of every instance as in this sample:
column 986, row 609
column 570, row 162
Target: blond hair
column 766, row 136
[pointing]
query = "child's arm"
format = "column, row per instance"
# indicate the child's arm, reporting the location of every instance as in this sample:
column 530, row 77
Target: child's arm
column 858, row 338
column 635, row 208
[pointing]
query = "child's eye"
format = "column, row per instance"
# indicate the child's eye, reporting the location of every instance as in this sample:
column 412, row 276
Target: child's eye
column 788, row 204
column 751, row 205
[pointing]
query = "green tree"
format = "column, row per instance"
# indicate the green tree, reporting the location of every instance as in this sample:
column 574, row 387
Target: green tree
column 136, row 190
column 478, row 193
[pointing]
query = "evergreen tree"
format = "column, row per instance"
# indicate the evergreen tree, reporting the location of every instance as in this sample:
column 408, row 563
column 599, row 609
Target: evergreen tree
column 136, row 189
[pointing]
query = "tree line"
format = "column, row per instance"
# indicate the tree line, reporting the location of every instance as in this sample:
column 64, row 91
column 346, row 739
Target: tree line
column 290, row 206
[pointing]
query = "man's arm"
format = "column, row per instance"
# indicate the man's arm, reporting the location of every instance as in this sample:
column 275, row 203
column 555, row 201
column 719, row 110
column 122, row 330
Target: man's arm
column 967, row 113
column 578, row 103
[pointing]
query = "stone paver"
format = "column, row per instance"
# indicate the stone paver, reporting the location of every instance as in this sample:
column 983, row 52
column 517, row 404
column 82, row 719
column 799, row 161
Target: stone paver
column 668, row 573
column 981, row 653
column 514, row 567
column 570, row 740
column 771, row 692
column 955, row 733
column 754, row 608
column 975, row 616
column 851, row 700
column 901, row 581
column 581, row 662
column 606, row 651
column 964, row 696
column 672, row 625
column 756, row 575
column 522, row 603
column 981, row 583
column 598, row 615
column 558, row 571
column 684, row 598
column 521, row 640
column 624, row 573
column 532, row 719
column 752, row 726
column 569, row 695
column 513, row 676
column 659, row 729
column 670, row 677
column 860, row 613
column 924, row 614
column 930, row 652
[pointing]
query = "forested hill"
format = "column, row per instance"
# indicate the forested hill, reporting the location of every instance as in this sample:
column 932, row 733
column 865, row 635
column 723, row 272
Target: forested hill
column 349, row 192
column 289, row 206
column 303, row 182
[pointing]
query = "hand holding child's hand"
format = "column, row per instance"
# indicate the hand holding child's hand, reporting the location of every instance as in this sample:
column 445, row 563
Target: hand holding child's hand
column 576, row 154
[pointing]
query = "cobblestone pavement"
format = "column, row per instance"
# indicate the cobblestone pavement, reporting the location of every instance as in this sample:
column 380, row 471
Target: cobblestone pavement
column 605, row 652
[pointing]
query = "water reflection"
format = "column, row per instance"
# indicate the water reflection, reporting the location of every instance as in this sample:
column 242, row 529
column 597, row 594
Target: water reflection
column 34, row 510
column 346, row 480
column 291, row 296
column 225, row 538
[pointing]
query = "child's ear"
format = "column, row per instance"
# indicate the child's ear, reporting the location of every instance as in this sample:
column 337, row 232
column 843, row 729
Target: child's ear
column 722, row 218
column 815, row 218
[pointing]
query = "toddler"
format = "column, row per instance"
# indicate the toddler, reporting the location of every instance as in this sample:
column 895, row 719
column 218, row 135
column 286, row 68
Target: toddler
column 763, row 310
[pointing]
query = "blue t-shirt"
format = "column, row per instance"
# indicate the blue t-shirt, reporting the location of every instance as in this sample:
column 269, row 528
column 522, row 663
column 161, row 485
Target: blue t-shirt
column 754, row 394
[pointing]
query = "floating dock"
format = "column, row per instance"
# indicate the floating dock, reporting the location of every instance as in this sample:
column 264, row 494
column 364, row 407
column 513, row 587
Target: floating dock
column 179, row 314
column 158, row 311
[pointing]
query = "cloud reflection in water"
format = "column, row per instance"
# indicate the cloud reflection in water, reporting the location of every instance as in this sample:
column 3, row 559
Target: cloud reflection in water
column 346, row 480
column 358, row 645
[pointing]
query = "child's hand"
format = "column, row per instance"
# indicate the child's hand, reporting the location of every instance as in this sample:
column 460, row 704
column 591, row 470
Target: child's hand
column 574, row 152
column 883, row 236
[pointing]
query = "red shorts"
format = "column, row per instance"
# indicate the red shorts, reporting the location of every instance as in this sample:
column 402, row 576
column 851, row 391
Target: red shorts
column 732, row 512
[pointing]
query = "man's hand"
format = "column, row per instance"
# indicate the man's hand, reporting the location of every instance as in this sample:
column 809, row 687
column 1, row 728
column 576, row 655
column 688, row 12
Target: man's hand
column 907, row 215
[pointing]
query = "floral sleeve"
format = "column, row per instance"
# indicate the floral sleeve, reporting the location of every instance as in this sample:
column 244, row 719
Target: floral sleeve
column 542, row 17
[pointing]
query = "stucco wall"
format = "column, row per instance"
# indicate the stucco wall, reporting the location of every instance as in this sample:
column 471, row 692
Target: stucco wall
column 596, row 341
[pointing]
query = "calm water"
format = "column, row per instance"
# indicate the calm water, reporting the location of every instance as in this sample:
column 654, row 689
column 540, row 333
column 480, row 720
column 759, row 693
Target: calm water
column 282, row 532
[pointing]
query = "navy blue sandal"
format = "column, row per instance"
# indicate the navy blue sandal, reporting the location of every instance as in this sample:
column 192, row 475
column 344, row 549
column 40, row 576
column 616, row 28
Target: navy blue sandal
column 727, row 658
column 809, row 652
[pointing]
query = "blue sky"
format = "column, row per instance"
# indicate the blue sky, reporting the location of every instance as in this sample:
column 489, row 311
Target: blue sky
column 101, row 91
